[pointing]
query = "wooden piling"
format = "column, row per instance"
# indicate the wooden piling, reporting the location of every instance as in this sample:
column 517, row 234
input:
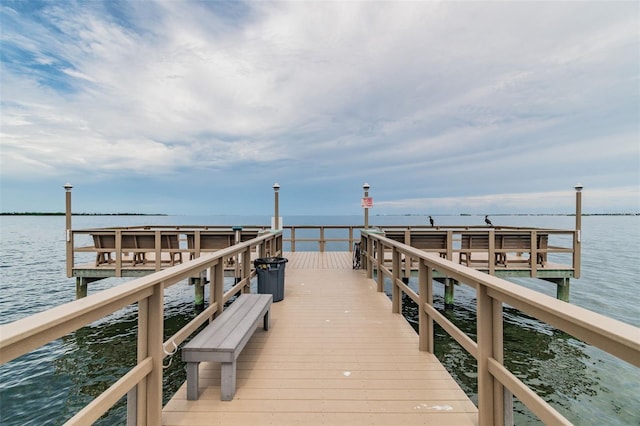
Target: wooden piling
column 198, row 293
column 448, row 292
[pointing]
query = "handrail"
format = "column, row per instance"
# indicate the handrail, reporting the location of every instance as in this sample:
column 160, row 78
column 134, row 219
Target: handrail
column 190, row 233
column 25, row 335
column 612, row 336
column 535, row 263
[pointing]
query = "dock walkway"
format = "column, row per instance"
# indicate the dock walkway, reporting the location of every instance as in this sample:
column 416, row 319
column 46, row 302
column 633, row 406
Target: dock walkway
column 336, row 355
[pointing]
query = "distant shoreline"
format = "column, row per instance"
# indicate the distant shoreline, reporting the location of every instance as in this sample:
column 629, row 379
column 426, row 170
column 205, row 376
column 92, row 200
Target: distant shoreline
column 78, row 214
column 400, row 214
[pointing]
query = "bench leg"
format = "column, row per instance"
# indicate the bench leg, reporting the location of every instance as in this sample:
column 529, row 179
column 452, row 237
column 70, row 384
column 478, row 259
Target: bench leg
column 228, row 380
column 267, row 321
column 192, row 381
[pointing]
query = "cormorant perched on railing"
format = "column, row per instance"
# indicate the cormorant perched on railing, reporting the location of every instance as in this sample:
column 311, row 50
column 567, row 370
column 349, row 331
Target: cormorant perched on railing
column 487, row 221
column 431, row 221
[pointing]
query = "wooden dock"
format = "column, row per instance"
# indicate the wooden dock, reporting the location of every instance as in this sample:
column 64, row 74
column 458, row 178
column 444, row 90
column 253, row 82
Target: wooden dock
column 335, row 355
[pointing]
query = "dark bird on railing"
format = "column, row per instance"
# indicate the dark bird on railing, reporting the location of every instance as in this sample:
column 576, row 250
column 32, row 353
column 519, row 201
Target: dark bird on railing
column 487, row 221
column 431, row 221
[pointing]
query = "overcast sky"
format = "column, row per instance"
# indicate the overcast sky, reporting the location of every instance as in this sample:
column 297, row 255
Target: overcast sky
column 199, row 107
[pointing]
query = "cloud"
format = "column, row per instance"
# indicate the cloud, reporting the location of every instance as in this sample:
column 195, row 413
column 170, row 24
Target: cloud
column 441, row 100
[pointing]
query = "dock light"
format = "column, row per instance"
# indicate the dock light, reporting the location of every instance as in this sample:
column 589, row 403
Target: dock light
column 276, row 220
column 578, row 189
column 366, row 187
column 578, row 235
column 69, row 249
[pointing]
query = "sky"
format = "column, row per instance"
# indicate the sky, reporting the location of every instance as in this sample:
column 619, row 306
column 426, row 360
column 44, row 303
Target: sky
column 199, row 107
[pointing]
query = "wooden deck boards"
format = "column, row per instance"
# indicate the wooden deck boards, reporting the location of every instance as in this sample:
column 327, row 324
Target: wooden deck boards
column 335, row 355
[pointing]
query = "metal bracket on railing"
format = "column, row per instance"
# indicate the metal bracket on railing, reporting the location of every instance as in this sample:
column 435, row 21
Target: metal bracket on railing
column 169, row 354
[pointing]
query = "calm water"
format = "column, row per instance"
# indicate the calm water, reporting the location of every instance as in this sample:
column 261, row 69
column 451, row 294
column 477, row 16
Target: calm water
column 588, row 386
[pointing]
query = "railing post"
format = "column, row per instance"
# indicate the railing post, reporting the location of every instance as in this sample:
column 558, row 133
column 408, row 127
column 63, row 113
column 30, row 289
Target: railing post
column 380, row 257
column 425, row 294
column 350, row 238
column 140, row 412
column 196, row 244
column 246, row 268
column 367, row 247
column 487, row 398
column 155, row 337
column 293, row 239
column 503, row 404
column 396, row 303
column 158, row 249
column 216, row 286
column 492, row 252
column 322, row 241
column 533, row 255
column 132, row 406
column 118, row 253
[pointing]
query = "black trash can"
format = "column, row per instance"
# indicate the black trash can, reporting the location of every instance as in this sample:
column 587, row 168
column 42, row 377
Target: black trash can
column 270, row 272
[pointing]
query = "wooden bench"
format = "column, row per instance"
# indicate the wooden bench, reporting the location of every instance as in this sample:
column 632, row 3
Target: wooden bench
column 431, row 241
column 472, row 243
column 104, row 245
column 208, row 242
column 223, row 340
column 512, row 243
column 543, row 245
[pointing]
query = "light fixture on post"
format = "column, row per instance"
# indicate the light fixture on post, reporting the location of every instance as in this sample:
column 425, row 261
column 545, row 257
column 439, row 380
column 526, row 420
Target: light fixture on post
column 276, row 191
column 578, row 188
column 67, row 190
column 365, row 202
column 578, row 235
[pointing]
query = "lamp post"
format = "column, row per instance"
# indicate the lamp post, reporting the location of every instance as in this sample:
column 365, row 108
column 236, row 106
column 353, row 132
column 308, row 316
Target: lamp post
column 578, row 188
column 366, row 187
column 67, row 189
column 578, row 237
column 276, row 190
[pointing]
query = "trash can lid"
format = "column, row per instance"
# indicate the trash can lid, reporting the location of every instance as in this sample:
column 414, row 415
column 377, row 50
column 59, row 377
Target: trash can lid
column 270, row 260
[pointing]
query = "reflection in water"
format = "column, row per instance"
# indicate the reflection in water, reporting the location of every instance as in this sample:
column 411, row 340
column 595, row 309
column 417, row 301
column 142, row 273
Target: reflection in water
column 560, row 369
column 98, row 355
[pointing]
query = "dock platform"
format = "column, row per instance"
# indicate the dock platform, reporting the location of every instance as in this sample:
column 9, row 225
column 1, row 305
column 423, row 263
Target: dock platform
column 335, row 355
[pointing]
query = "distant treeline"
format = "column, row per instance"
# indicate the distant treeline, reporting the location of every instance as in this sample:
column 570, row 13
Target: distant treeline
column 557, row 214
column 78, row 214
column 515, row 214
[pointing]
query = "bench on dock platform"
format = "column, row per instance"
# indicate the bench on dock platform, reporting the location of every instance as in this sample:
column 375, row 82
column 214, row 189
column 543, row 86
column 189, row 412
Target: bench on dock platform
column 138, row 244
column 505, row 243
column 208, row 242
column 223, row 340
column 431, row 241
column 472, row 243
column 512, row 243
column 104, row 245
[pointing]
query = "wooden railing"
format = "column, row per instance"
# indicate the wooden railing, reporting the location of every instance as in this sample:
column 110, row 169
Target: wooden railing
column 143, row 383
column 344, row 242
column 496, row 384
column 124, row 247
column 534, row 245
column 490, row 248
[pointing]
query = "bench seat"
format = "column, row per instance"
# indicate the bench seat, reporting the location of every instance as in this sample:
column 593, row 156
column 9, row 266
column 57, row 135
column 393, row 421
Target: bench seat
column 223, row 340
